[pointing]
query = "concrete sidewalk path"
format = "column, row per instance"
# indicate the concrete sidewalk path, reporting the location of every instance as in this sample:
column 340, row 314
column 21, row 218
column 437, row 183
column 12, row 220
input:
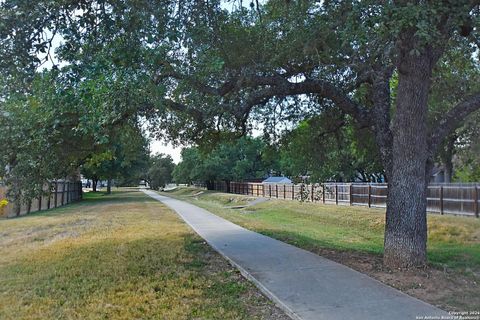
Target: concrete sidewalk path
column 303, row 284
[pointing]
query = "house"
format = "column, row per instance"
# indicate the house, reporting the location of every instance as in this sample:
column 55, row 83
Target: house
column 277, row 180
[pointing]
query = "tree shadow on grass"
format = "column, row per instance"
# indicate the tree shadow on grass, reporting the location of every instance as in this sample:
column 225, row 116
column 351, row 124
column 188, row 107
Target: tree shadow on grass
column 93, row 199
column 147, row 277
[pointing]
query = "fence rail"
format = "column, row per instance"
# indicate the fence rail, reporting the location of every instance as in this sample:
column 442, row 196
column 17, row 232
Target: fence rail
column 445, row 198
column 56, row 194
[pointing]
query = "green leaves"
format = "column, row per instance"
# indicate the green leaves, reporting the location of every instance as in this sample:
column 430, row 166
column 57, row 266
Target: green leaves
column 228, row 161
column 160, row 171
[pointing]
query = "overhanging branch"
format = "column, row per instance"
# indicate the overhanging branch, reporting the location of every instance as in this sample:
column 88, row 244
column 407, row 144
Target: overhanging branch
column 452, row 120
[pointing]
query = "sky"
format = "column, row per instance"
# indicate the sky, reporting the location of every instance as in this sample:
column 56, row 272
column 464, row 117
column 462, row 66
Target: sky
column 157, row 146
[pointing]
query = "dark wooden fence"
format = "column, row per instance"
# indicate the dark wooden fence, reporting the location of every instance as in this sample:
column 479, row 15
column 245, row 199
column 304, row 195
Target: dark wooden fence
column 445, row 198
column 56, row 194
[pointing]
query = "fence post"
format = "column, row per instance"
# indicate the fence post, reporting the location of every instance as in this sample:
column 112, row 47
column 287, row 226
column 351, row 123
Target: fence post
column 311, row 196
column 323, row 192
column 40, row 202
column 441, row 199
column 63, row 193
column 293, row 191
column 270, row 190
column 336, row 193
column 276, row 191
column 56, row 193
column 68, row 193
column 350, row 189
column 49, row 194
column 284, row 191
column 475, row 201
column 369, row 195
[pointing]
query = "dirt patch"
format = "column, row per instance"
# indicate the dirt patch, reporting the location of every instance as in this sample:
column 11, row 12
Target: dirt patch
column 447, row 290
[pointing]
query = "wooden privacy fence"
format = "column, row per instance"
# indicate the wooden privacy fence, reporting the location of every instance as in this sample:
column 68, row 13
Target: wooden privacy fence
column 56, row 194
column 445, row 198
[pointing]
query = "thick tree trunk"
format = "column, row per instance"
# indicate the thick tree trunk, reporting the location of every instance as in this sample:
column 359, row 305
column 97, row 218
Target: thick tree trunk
column 109, row 186
column 94, row 185
column 406, row 218
column 17, row 202
column 17, row 198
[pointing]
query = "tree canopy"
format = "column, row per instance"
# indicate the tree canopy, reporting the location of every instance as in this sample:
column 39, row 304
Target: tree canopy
column 246, row 158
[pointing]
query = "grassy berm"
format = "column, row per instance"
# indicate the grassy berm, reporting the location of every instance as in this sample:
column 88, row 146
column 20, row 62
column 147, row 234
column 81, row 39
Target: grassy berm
column 118, row 256
column 353, row 236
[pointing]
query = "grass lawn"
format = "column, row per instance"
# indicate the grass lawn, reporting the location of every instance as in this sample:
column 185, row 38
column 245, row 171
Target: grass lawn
column 119, row 256
column 354, row 236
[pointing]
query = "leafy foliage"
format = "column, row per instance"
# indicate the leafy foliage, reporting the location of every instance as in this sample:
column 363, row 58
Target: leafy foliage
column 160, row 171
column 330, row 148
column 230, row 161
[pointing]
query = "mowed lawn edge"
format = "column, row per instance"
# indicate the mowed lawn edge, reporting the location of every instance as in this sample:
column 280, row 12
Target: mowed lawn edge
column 353, row 236
column 118, row 256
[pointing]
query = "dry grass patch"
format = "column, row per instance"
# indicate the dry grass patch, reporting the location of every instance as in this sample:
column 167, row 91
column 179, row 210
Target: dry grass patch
column 122, row 256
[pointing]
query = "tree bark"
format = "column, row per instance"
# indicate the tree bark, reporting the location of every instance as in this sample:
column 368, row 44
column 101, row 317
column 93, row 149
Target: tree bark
column 94, row 185
column 109, row 186
column 406, row 217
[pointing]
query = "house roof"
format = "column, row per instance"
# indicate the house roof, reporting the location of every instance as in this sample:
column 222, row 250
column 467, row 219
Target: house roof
column 277, row 180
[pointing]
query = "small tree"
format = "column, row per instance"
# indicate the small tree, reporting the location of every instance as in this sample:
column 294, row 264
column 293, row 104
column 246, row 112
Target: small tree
column 160, row 171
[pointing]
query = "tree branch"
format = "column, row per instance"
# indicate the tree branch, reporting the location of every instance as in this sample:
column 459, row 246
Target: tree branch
column 179, row 107
column 452, row 120
column 321, row 88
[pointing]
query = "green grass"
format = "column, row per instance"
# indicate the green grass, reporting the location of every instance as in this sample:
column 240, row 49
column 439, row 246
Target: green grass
column 119, row 256
column 453, row 242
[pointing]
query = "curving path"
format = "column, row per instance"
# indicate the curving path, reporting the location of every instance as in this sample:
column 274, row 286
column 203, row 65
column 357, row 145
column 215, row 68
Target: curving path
column 305, row 285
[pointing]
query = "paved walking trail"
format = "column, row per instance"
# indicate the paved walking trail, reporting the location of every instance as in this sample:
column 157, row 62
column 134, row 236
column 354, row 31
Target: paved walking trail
column 305, row 285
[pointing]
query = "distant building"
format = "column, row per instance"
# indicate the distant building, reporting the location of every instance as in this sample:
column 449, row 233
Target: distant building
column 279, row 180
